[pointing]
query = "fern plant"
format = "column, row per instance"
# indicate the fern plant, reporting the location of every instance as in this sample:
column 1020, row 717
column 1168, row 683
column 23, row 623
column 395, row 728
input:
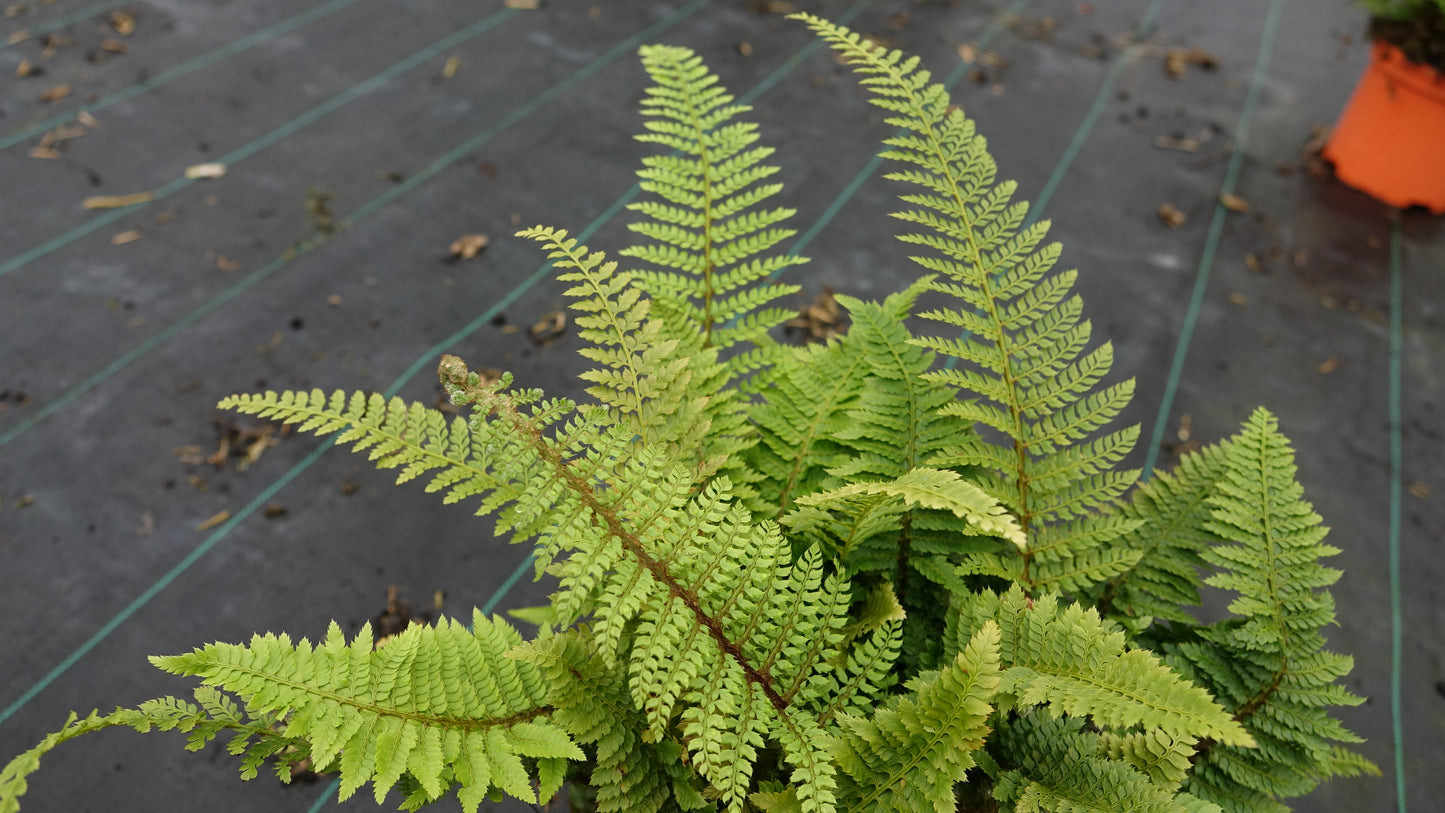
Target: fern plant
column 893, row 572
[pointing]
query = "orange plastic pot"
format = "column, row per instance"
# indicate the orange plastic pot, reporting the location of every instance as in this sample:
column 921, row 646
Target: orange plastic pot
column 1390, row 141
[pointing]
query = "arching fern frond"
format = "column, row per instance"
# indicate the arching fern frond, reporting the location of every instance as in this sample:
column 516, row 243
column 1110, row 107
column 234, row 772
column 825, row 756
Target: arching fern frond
column 1171, row 511
column 806, row 404
column 868, row 510
column 592, row 702
column 1269, row 665
column 1024, row 357
column 442, row 704
column 708, row 241
column 255, row 737
column 667, row 396
column 1055, row 766
column 1066, row 658
column 912, row 752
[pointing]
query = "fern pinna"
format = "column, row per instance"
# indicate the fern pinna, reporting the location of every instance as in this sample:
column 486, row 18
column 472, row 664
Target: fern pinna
column 804, row 579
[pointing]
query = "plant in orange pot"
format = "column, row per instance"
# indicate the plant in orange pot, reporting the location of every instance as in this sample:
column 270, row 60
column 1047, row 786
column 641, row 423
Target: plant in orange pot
column 1390, row 141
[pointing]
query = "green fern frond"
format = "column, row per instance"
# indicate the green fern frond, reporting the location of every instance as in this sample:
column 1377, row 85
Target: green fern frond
column 1054, row 766
column 723, row 631
column 1162, row 757
column 868, row 506
column 1025, row 356
column 1065, row 657
column 592, row 702
column 804, row 408
column 441, row 704
column 707, row 239
column 1171, row 510
column 1269, row 665
column 669, row 397
column 912, row 752
column 255, row 737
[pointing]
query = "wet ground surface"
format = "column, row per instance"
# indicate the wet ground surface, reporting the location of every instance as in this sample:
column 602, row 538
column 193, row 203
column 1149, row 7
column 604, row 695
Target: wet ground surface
column 363, row 138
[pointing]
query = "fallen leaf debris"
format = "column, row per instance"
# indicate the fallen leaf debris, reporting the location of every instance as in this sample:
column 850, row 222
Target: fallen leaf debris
column 468, row 246
column 549, row 328
column 117, row 201
column 1170, row 215
column 1178, row 60
column 818, row 322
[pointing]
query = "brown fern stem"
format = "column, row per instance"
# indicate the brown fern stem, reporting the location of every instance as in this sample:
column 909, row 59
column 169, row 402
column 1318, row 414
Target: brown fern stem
column 453, row 373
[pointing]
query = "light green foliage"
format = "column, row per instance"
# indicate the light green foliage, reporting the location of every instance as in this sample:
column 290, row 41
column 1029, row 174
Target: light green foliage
column 1268, row 665
column 1067, row 658
column 917, row 747
column 707, row 232
column 1168, row 514
column 442, row 704
column 1023, row 360
column 802, row 580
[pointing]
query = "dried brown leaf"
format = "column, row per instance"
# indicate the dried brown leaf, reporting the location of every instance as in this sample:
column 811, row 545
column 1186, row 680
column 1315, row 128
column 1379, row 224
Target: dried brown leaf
column 199, row 172
column 469, row 245
column 1419, row 490
column 215, row 519
column 1234, row 203
column 1238, row 299
column 449, row 69
column 745, row 49
column 1170, row 215
column 114, row 46
column 1328, row 366
column 1181, row 144
column 549, row 328
column 122, row 22
column 147, row 524
column 526, row 5
column 53, row 94
column 125, row 237
column 117, row 201
column 49, row 153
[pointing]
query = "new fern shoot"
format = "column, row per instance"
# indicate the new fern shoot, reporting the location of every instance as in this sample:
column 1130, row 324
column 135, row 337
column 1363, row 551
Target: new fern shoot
column 802, row 579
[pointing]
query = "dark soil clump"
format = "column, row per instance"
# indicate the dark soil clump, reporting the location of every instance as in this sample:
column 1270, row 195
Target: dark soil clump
column 1421, row 38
